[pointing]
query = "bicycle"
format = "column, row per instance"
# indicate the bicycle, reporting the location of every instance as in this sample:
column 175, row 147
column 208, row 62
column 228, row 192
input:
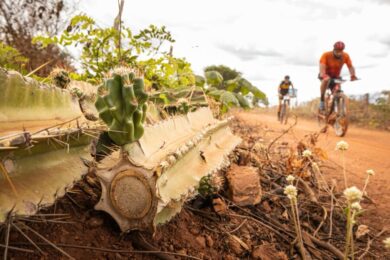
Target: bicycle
column 336, row 108
column 283, row 117
column 285, row 107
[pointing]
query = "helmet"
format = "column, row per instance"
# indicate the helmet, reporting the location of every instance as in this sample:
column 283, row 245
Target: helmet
column 339, row 46
column 287, row 77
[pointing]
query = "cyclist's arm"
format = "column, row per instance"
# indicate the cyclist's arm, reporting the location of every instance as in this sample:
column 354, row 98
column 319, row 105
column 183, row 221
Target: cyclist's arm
column 352, row 71
column 351, row 68
column 322, row 69
column 323, row 63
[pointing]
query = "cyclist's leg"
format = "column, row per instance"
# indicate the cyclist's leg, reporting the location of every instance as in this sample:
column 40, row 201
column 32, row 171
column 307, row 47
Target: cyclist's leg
column 323, row 86
column 280, row 104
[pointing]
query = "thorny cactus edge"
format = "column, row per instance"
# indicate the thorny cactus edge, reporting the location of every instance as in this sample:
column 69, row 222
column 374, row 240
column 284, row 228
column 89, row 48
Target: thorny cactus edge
column 122, row 106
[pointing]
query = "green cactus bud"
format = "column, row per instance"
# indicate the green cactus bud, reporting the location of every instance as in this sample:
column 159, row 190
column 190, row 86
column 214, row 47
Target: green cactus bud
column 123, row 108
column 205, row 186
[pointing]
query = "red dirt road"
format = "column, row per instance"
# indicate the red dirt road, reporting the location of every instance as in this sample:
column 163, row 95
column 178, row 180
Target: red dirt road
column 368, row 149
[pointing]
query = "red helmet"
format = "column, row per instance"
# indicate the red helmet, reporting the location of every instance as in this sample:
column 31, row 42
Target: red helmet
column 339, row 46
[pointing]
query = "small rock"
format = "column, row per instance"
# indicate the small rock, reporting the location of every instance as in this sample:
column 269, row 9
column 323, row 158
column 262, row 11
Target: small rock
column 285, row 215
column 182, row 251
column 244, row 185
column 201, row 241
column 219, row 206
column 171, row 248
column 267, row 208
column 95, row 222
column 209, row 241
column 195, row 231
column 361, row 231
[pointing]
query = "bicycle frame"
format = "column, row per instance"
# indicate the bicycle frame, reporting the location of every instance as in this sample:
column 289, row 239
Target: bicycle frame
column 284, row 109
column 336, row 107
column 334, row 95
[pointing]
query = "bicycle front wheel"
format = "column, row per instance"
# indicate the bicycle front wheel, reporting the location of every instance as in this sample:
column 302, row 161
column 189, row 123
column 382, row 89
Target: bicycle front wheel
column 341, row 123
column 282, row 113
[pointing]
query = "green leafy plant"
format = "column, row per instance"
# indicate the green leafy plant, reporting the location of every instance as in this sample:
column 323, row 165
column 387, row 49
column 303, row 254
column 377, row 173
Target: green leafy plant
column 167, row 72
column 11, row 58
column 105, row 48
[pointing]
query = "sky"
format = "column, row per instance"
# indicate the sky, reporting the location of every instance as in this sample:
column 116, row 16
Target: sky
column 268, row 39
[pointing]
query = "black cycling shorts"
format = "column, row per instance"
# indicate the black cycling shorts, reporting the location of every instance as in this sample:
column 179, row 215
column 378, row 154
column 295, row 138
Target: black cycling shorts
column 283, row 92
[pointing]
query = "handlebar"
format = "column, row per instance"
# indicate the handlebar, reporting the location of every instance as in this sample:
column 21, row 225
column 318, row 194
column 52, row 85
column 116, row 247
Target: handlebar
column 341, row 81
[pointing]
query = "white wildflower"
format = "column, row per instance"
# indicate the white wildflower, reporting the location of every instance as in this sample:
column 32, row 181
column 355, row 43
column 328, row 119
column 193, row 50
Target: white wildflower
column 387, row 243
column 370, row 172
column 290, row 178
column 353, row 194
column 342, row 146
column 291, row 191
column 356, row 206
column 306, row 153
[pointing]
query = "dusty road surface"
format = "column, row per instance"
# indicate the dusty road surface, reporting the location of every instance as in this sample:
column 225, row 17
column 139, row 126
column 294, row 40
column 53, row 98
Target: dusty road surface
column 368, row 149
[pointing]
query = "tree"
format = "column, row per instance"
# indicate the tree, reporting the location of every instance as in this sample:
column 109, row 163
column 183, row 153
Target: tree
column 21, row 20
column 226, row 72
column 229, row 91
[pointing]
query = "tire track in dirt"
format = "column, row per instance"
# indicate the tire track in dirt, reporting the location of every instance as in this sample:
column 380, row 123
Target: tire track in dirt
column 368, row 149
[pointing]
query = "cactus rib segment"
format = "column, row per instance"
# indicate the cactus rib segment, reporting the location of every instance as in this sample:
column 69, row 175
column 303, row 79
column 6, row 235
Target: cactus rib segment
column 177, row 182
column 162, row 139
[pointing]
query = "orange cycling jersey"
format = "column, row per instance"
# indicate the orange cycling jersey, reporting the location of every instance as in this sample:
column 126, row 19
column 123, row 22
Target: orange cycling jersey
column 333, row 64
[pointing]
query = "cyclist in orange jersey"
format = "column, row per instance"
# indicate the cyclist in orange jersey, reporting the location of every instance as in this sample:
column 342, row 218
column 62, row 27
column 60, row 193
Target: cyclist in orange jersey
column 331, row 63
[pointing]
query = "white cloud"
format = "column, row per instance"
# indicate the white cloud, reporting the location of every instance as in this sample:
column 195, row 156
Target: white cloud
column 294, row 34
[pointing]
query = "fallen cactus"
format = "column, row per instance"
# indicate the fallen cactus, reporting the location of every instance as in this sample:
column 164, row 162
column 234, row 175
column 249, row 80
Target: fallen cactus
column 147, row 182
column 157, row 168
